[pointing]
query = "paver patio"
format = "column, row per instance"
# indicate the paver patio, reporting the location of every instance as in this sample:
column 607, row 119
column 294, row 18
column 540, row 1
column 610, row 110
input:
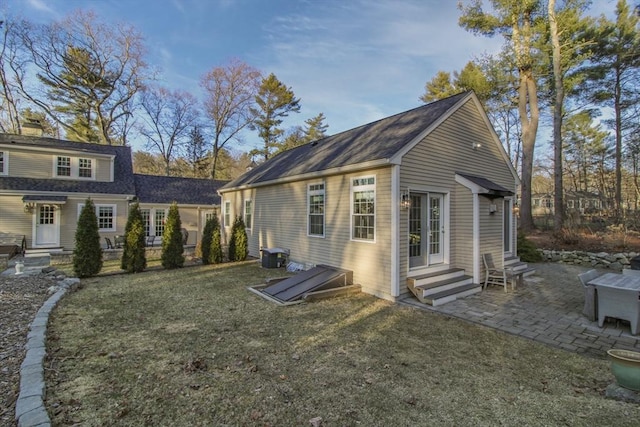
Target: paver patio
column 547, row 308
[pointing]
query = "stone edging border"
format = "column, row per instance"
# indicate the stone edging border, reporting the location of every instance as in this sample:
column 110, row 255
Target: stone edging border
column 30, row 409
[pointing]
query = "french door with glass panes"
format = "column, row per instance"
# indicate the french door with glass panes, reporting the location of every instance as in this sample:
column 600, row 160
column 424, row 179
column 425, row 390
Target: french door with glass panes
column 426, row 229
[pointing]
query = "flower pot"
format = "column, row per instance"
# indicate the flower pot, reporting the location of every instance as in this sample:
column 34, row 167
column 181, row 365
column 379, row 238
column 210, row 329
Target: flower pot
column 19, row 267
column 625, row 366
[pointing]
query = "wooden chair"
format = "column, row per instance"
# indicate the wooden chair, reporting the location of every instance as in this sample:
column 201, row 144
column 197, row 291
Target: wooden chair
column 150, row 240
column 493, row 275
column 185, row 235
column 109, row 244
column 590, row 309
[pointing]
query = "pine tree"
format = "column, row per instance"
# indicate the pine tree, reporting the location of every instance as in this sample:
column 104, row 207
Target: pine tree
column 134, row 259
column 238, row 247
column 275, row 101
column 212, row 242
column 172, row 247
column 87, row 254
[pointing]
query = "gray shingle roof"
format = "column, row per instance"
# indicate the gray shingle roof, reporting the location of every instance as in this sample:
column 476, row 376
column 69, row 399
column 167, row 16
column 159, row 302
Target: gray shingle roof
column 188, row 191
column 379, row 140
column 491, row 187
column 123, row 170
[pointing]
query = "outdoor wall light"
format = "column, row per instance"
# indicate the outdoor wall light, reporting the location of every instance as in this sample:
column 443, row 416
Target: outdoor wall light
column 476, row 145
column 29, row 207
column 493, row 208
column 405, row 200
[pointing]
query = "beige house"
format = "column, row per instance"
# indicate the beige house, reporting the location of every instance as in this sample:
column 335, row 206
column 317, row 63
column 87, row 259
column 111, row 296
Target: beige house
column 400, row 201
column 44, row 182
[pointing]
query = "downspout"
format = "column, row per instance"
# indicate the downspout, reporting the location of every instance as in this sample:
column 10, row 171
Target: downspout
column 395, row 228
column 476, row 237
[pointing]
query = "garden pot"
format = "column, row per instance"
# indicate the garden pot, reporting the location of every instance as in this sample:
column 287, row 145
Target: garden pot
column 625, row 366
column 19, row 267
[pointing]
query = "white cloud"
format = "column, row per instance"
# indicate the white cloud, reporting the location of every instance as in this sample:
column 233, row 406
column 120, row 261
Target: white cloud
column 40, row 5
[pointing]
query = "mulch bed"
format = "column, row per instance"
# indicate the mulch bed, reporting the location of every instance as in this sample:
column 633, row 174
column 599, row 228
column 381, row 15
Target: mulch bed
column 20, row 298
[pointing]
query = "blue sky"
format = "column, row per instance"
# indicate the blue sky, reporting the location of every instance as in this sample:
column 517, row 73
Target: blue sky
column 354, row 60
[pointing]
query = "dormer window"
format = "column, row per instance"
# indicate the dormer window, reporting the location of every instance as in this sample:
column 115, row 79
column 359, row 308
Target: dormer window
column 4, row 168
column 64, row 166
column 74, row 167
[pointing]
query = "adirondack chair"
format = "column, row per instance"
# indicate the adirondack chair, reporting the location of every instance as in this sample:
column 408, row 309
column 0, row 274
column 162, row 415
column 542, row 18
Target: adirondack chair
column 590, row 309
column 493, row 275
column 109, row 244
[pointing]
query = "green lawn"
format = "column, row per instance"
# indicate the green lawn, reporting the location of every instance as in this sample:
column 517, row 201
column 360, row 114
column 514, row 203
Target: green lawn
column 195, row 347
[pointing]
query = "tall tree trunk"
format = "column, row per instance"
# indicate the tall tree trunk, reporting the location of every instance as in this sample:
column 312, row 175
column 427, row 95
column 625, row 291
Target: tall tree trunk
column 529, row 117
column 618, row 120
column 558, row 211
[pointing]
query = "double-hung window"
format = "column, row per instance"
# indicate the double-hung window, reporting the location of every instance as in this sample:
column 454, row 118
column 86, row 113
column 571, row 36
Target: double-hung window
column 227, row 214
column 248, row 210
column 4, row 167
column 74, row 167
column 315, row 209
column 105, row 214
column 363, row 208
column 63, row 167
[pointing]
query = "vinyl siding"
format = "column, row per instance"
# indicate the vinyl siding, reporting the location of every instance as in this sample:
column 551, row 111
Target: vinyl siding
column 13, row 218
column 69, row 219
column 34, row 164
column 433, row 163
column 280, row 220
column 189, row 217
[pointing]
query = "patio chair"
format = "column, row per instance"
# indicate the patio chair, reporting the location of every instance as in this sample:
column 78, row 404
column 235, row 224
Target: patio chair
column 185, row 235
column 119, row 241
column 493, row 275
column 150, row 240
column 590, row 309
column 109, row 244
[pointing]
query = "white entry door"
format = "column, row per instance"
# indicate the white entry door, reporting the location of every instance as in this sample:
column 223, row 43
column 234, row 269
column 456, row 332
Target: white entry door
column 426, row 229
column 47, row 226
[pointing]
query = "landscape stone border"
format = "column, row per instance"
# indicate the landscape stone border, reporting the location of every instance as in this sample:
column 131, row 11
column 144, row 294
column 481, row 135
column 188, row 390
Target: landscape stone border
column 613, row 261
column 30, row 408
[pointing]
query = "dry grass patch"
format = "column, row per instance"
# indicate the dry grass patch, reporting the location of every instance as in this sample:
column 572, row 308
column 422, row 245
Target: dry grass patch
column 194, row 347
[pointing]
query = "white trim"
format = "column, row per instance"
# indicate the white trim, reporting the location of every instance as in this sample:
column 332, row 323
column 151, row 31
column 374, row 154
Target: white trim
column 226, row 212
column 358, row 167
column 114, row 215
column 310, row 193
column 395, row 231
column 34, row 227
column 74, row 167
column 5, row 163
column 247, row 224
column 366, row 187
column 476, row 237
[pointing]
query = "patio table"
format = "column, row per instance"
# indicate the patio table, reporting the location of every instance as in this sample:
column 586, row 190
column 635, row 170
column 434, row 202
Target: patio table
column 619, row 297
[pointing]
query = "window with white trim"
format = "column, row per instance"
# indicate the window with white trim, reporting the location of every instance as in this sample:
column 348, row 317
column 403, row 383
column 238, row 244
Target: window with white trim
column 84, row 168
column 74, row 167
column 315, row 209
column 248, row 209
column 4, row 164
column 227, row 214
column 363, row 208
column 159, row 222
column 63, row 166
column 146, row 221
column 105, row 214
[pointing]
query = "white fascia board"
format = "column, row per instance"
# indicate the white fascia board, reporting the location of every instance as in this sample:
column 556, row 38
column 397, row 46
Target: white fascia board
column 57, row 150
column 313, row 175
column 475, row 188
column 68, row 194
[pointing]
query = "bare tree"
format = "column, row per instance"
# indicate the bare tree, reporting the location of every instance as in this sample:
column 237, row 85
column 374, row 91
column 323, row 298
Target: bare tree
column 168, row 117
column 85, row 69
column 9, row 58
column 229, row 95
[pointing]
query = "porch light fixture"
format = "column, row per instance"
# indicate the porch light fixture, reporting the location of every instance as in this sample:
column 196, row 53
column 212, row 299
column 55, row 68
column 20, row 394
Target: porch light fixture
column 475, row 145
column 405, row 200
column 29, row 207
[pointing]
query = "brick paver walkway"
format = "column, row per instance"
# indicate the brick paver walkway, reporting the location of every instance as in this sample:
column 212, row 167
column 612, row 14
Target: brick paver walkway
column 547, row 308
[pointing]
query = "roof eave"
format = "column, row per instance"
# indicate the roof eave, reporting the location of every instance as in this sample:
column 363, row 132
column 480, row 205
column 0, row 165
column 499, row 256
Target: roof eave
column 311, row 175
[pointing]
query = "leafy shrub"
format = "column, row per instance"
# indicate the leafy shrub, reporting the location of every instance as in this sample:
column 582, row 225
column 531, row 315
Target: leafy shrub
column 527, row 250
column 212, row 242
column 172, row 247
column 134, row 258
column 238, row 244
column 87, row 254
